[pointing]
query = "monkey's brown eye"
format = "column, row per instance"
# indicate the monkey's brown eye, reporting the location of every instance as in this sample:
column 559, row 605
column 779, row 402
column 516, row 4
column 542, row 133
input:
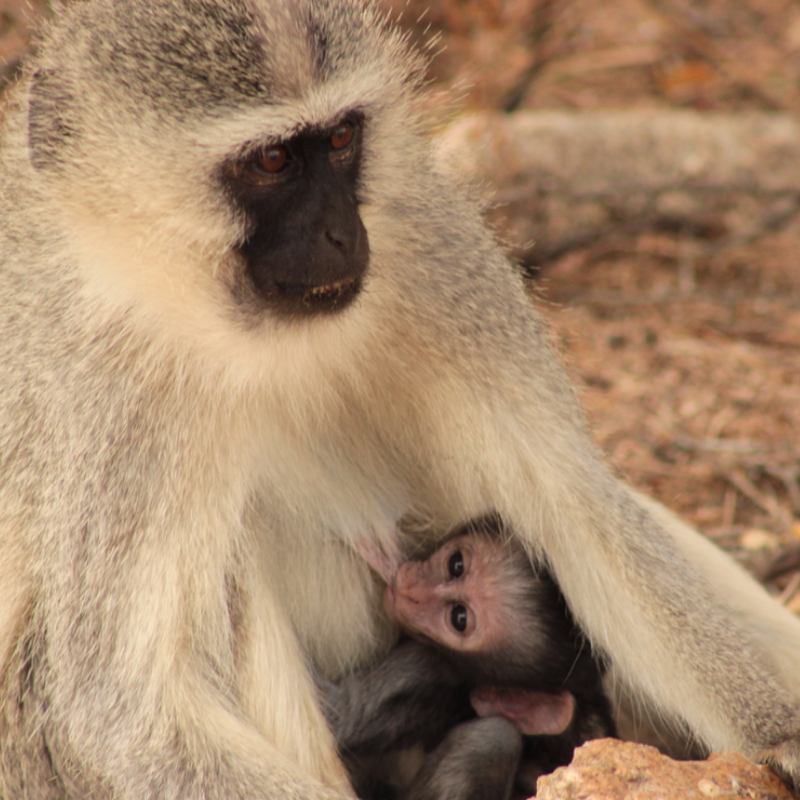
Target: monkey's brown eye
column 458, row 617
column 273, row 159
column 342, row 136
column 455, row 565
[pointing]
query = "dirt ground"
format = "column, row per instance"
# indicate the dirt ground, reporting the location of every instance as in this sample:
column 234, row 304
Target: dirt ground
column 687, row 346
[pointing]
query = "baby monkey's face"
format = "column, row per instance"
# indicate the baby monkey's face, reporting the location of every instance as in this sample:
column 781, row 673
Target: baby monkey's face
column 455, row 597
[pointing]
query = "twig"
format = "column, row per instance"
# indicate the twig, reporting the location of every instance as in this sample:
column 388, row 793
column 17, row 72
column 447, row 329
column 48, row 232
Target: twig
column 742, row 447
column 788, row 476
column 749, row 489
column 729, row 507
column 787, row 595
column 787, row 560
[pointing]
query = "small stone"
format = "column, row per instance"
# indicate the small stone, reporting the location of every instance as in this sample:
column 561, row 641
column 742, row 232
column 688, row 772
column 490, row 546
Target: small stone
column 758, row 539
column 708, row 788
column 607, row 769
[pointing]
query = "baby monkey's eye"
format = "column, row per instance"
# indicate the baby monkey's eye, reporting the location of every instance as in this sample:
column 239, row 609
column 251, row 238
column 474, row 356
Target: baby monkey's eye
column 455, row 565
column 458, row 617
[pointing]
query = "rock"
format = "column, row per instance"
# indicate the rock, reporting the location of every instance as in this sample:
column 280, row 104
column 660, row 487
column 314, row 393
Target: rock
column 758, row 539
column 607, row 769
column 566, row 179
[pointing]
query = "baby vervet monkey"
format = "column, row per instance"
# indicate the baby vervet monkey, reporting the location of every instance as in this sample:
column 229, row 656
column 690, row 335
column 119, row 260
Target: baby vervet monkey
column 490, row 628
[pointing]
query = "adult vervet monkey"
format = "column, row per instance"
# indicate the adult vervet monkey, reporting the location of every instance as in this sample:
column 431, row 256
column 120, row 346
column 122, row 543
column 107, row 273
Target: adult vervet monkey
column 246, row 318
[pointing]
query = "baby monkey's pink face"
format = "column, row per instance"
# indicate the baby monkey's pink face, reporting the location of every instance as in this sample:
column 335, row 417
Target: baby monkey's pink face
column 454, row 597
column 462, row 598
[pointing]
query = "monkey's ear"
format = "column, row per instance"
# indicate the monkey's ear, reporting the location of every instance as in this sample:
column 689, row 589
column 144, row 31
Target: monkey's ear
column 49, row 126
column 534, row 713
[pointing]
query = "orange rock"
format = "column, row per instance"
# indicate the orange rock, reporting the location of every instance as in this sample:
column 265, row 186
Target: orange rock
column 607, row 769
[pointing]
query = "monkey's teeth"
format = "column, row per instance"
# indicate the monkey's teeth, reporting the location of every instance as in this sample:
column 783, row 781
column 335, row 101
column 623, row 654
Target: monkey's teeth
column 328, row 288
column 332, row 293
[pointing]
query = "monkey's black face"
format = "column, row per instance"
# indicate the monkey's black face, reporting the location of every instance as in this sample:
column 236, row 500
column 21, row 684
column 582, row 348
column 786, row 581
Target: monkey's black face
column 306, row 248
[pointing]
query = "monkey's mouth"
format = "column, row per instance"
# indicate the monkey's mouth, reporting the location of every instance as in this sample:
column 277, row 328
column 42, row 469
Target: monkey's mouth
column 323, row 298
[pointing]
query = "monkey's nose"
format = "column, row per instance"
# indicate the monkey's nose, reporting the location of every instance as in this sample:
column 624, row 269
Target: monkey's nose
column 411, row 585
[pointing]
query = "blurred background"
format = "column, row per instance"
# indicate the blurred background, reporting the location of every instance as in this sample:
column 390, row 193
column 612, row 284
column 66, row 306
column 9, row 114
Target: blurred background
column 642, row 160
